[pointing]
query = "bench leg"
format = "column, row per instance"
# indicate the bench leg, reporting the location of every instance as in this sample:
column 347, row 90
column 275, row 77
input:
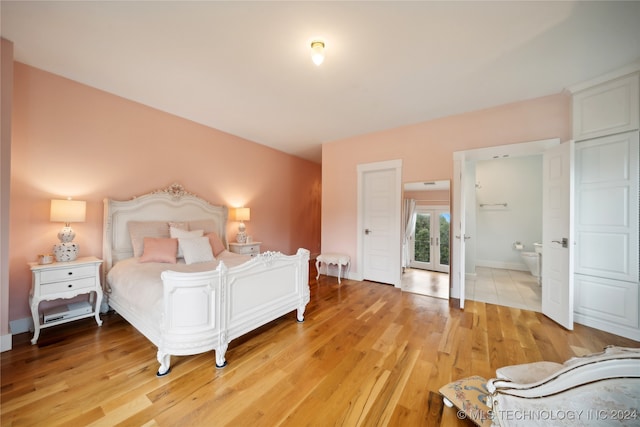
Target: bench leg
column 317, row 269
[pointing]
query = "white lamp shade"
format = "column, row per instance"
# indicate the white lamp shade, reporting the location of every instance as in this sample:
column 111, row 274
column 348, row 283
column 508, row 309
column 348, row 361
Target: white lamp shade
column 243, row 214
column 68, row 211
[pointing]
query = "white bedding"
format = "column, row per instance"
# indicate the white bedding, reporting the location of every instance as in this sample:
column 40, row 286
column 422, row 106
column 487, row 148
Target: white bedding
column 139, row 286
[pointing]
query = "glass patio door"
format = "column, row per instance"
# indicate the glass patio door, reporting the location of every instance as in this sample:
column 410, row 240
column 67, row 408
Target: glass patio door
column 430, row 249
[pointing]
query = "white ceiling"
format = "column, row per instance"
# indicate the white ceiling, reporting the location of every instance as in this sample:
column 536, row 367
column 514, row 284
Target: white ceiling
column 245, row 67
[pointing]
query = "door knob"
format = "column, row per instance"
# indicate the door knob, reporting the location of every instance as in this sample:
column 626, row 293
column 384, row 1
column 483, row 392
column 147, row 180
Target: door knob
column 564, row 242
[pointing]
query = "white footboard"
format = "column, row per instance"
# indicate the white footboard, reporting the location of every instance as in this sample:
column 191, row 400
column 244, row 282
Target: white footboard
column 205, row 311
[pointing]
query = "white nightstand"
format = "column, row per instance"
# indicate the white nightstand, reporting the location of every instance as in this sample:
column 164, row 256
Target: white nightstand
column 64, row 280
column 252, row 248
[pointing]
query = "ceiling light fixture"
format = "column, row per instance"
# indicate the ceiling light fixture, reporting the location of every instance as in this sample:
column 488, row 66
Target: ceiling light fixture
column 317, row 48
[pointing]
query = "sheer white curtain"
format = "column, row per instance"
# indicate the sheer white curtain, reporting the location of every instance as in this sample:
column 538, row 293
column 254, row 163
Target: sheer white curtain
column 409, row 221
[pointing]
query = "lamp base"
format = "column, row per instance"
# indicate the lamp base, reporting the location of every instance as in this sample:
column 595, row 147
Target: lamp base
column 241, row 237
column 66, row 251
column 67, row 234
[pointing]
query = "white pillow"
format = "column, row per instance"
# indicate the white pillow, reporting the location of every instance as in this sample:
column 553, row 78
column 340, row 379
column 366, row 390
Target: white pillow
column 178, row 233
column 196, row 249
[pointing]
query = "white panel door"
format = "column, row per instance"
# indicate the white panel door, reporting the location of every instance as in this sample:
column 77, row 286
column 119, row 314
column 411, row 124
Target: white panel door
column 607, row 108
column 607, row 207
column 458, row 243
column 557, row 249
column 381, row 226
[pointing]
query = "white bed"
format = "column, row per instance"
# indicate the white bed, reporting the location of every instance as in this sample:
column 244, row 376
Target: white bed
column 188, row 309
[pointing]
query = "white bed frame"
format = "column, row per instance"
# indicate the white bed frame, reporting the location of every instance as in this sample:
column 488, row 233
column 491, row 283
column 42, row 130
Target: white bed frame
column 204, row 311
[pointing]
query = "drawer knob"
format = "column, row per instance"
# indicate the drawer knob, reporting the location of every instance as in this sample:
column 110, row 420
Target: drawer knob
column 70, row 273
column 69, row 285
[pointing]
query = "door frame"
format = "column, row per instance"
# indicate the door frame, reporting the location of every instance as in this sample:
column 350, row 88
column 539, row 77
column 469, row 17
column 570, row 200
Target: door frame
column 459, row 210
column 373, row 167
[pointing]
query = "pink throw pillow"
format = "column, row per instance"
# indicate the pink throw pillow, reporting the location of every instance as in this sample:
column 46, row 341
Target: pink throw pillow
column 158, row 249
column 216, row 244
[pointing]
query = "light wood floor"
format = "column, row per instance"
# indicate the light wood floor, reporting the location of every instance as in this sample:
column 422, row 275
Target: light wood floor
column 425, row 282
column 367, row 354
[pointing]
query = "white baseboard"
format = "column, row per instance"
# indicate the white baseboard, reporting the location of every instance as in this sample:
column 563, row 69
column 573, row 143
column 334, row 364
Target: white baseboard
column 612, row 328
column 6, row 342
column 20, row 326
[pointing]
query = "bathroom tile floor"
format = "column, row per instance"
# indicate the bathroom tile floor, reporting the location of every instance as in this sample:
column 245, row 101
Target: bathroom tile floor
column 510, row 288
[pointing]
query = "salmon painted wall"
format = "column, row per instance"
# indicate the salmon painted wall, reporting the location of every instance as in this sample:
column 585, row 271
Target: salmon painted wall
column 6, row 89
column 426, row 150
column 73, row 140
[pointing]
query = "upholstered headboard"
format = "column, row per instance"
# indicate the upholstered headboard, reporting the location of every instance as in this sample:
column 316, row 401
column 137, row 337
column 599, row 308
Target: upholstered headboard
column 172, row 204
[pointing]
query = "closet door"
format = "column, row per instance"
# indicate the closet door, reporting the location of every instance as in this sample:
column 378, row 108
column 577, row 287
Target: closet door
column 606, row 109
column 606, row 230
column 607, row 207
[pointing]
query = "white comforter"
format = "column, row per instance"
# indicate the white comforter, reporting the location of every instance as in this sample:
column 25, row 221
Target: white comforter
column 138, row 286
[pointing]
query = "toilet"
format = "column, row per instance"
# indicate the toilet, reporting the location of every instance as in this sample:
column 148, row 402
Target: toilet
column 533, row 260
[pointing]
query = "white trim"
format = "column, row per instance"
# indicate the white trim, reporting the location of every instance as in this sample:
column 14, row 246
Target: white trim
column 621, row 72
column 369, row 167
column 6, row 342
column 459, row 158
column 615, row 329
column 457, row 268
column 20, row 326
column 437, row 210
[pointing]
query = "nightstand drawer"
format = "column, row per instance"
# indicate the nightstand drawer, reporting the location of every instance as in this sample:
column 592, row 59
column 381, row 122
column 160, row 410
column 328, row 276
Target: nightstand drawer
column 71, row 273
column 250, row 250
column 67, row 285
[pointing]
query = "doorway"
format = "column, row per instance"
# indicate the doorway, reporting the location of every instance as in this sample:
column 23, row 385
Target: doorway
column 426, row 241
column 469, row 201
column 430, row 239
column 379, row 214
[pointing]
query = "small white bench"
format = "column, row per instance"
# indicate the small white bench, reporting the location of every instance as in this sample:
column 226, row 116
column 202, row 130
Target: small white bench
column 332, row 258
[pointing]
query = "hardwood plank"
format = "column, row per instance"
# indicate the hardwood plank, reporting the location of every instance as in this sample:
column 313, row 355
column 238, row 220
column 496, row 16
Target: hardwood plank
column 367, row 354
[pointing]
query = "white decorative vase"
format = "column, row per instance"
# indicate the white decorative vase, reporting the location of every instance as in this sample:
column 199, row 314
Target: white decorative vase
column 241, row 237
column 66, row 251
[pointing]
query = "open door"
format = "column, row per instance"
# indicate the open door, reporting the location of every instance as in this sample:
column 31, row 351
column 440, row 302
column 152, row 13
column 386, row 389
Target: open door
column 557, row 234
column 458, row 227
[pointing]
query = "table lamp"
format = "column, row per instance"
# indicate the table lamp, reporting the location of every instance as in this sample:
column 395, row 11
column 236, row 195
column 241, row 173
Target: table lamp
column 242, row 214
column 67, row 211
